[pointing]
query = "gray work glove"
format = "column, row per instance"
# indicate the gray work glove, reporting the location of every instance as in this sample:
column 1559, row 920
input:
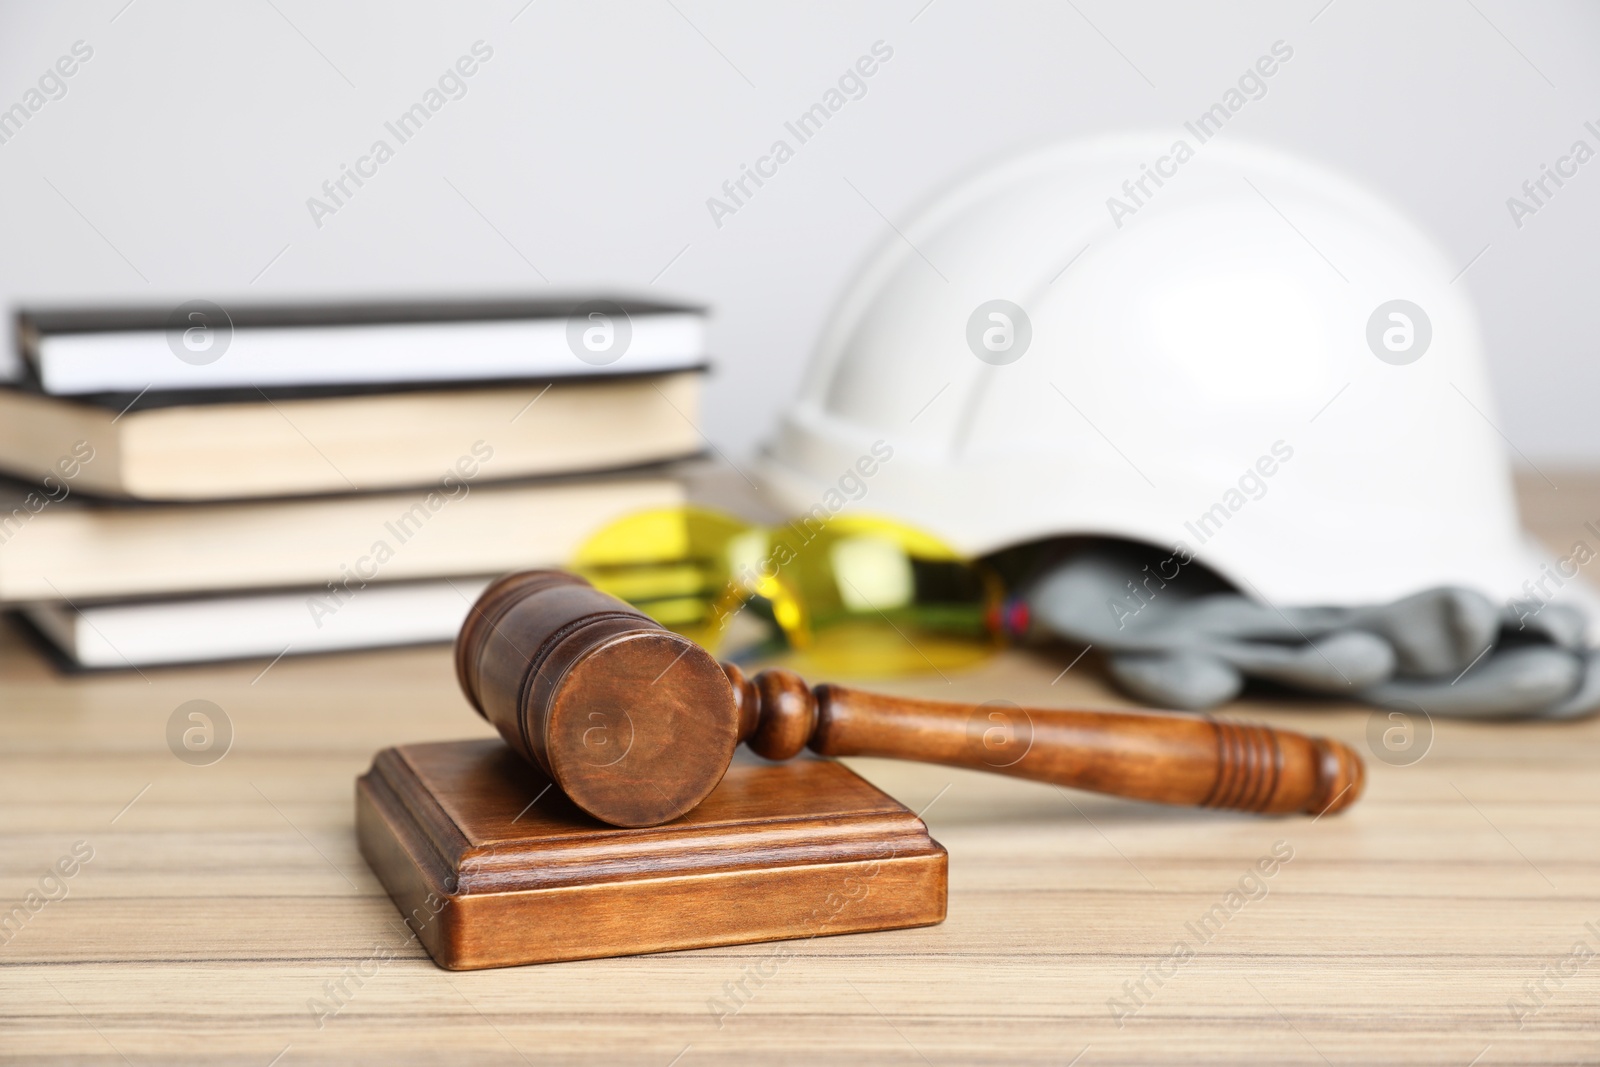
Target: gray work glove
column 1191, row 642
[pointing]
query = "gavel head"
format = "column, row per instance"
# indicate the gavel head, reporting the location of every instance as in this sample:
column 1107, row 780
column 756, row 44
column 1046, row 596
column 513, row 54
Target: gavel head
column 635, row 723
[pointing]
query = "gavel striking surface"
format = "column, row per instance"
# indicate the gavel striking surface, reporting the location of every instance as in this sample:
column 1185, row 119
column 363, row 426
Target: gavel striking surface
column 492, row 868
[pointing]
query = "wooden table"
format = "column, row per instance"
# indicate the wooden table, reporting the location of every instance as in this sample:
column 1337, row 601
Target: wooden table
column 221, row 901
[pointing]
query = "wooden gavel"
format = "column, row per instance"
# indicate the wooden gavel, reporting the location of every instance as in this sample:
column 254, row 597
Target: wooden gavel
column 637, row 724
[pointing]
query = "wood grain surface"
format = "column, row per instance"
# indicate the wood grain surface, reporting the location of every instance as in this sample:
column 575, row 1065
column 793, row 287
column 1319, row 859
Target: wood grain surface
column 222, row 903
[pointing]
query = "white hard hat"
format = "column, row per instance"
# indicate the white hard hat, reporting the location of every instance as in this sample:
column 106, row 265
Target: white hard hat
column 1194, row 344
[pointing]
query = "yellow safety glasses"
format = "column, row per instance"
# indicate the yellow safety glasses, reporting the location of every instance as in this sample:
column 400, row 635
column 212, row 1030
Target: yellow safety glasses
column 855, row 595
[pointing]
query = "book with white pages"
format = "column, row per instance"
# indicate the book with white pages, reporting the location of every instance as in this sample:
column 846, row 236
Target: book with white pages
column 216, row 445
column 200, row 345
column 76, row 549
column 153, row 633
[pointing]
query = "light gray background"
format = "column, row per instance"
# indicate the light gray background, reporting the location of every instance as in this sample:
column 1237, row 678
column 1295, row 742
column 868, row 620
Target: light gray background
column 179, row 163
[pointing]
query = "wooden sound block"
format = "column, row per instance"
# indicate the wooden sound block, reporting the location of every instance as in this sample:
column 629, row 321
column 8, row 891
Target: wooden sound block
column 492, row 868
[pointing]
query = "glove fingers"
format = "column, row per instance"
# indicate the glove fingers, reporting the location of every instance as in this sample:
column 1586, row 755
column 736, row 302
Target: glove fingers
column 1230, row 615
column 1338, row 663
column 1225, row 615
column 1513, row 683
column 1183, row 645
column 1434, row 632
column 1187, row 680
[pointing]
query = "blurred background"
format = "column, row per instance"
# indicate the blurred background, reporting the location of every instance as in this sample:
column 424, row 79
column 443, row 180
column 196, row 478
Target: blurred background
column 179, row 161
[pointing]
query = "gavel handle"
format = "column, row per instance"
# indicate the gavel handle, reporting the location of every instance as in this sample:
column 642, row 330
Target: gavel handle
column 1162, row 757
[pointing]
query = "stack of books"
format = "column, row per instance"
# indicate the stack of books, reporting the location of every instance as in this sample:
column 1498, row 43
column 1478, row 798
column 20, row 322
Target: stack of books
column 202, row 484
